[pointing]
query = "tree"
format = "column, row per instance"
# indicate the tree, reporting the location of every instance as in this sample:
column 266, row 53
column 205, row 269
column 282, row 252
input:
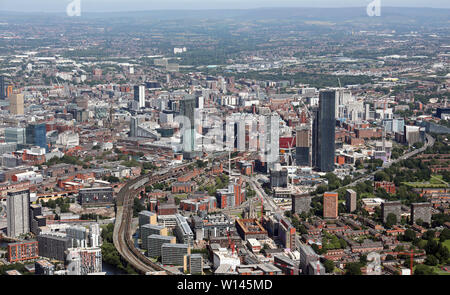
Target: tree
column 389, row 257
column 329, row 266
column 409, row 235
column 353, row 268
column 423, row 269
column 445, row 235
column 431, row 260
column 391, row 220
column 381, row 176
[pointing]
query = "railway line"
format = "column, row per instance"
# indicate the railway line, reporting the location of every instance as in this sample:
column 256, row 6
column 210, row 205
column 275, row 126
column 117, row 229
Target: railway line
column 122, row 236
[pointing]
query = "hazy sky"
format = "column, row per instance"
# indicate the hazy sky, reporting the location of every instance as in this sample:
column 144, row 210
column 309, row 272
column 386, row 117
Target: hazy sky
column 134, row 5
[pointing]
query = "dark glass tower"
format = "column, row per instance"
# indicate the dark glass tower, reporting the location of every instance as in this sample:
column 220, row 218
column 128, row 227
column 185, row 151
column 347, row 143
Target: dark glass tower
column 187, row 109
column 36, row 134
column 324, row 132
column 2, row 88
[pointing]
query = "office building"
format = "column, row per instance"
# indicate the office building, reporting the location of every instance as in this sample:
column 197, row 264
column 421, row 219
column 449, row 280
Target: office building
column 151, row 229
column 18, row 213
column 421, row 211
column 16, row 104
column 43, row 267
column 2, row 88
column 350, row 200
column 96, row 196
column 330, row 205
column 323, row 135
column 393, row 207
column 183, row 232
column 174, row 254
column 155, row 242
column 278, row 177
column 301, row 203
column 139, row 95
column 211, row 226
column 307, row 255
column 22, row 251
column 303, row 145
column 36, row 134
column 53, row 245
column 15, row 135
column 194, row 264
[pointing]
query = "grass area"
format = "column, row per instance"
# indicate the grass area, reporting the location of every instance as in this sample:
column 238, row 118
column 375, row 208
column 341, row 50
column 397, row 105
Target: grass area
column 425, row 185
column 447, row 244
column 181, row 196
column 439, row 271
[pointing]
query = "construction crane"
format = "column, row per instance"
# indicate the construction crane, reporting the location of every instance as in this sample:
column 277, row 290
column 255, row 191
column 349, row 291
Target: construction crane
column 411, row 254
column 230, row 242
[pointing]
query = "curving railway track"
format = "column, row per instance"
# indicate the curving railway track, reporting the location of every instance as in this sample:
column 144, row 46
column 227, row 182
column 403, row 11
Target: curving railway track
column 122, row 236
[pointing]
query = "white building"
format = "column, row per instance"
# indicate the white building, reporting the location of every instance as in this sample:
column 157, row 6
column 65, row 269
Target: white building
column 68, row 139
column 84, row 261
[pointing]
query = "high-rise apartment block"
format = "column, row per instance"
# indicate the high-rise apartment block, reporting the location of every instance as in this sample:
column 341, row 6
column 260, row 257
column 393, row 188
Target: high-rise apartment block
column 330, row 205
column 18, row 213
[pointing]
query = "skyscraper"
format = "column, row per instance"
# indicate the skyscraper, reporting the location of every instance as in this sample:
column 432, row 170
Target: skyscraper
column 350, row 200
column 303, row 145
column 134, row 122
column 324, row 132
column 139, row 95
column 16, row 104
column 36, row 134
column 18, row 210
column 187, row 109
column 2, row 88
column 16, row 135
column 330, row 205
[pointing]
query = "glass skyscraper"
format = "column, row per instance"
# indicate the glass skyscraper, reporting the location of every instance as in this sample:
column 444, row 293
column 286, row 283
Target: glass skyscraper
column 324, row 132
column 187, row 109
column 2, row 88
column 36, row 134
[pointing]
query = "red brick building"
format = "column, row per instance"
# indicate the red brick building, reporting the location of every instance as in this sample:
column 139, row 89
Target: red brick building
column 389, row 187
column 330, row 205
column 22, row 251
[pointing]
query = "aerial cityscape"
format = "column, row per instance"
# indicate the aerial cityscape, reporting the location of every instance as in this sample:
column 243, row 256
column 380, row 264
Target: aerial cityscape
column 256, row 141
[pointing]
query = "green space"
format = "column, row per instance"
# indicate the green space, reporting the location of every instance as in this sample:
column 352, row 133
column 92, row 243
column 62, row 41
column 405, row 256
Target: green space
column 425, row 184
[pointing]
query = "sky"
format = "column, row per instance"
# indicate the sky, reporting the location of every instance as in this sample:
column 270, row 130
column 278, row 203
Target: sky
column 139, row 5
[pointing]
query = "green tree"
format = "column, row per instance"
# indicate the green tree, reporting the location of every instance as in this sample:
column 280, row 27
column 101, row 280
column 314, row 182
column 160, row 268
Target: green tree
column 409, row 235
column 391, row 220
column 329, row 266
column 353, row 268
column 431, row 260
column 423, row 269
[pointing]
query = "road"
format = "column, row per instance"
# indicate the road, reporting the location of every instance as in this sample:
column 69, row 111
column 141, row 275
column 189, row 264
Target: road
column 429, row 142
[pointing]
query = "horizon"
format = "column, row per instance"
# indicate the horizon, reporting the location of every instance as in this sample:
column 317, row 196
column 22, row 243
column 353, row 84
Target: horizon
column 216, row 9
column 114, row 6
